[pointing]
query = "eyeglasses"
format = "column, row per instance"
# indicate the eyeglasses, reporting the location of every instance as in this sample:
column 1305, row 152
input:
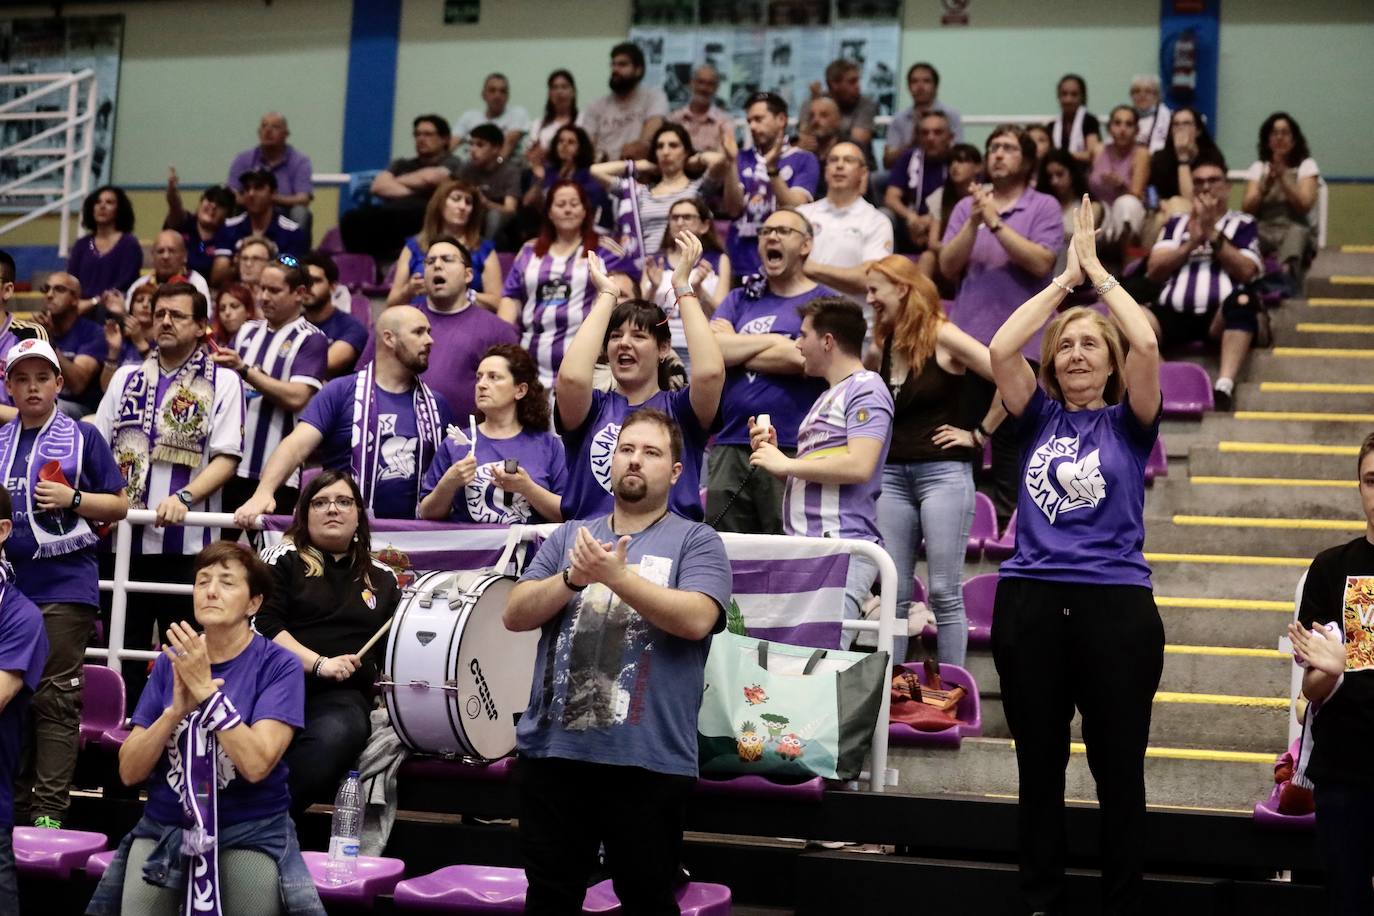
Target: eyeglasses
column 55, row 288
column 168, row 314
column 436, row 259
column 1204, row 182
column 252, row 257
column 683, row 217
column 323, row 503
column 781, row 232
column 288, row 260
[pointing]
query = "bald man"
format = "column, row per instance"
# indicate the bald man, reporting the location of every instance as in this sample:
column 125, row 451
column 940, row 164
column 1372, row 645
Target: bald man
column 79, row 344
column 819, row 130
column 404, row 421
column 169, row 260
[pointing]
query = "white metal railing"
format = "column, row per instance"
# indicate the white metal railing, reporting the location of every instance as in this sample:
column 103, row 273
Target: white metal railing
column 121, row 587
column 69, row 143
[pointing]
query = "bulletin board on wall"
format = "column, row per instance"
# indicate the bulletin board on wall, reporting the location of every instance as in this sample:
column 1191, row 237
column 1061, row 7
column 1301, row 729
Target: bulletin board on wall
column 61, row 45
column 780, row 46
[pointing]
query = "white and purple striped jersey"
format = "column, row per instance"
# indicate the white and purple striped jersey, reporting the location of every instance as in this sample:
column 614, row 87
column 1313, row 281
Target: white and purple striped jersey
column 556, row 294
column 859, row 406
column 165, row 478
column 1201, row 285
column 295, row 352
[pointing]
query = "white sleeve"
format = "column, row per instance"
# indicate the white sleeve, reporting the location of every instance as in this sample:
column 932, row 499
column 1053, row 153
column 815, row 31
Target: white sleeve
column 1308, row 168
column 1255, row 172
column 104, row 416
column 226, row 429
column 878, row 238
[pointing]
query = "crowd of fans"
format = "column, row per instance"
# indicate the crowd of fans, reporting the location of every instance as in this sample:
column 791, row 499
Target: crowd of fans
column 216, row 380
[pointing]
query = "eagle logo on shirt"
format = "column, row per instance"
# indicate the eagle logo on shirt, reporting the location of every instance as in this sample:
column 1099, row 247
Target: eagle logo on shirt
column 602, row 450
column 486, row 502
column 1058, row 481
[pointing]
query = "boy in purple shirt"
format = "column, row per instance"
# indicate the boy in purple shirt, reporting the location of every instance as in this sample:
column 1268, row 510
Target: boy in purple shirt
column 833, row 483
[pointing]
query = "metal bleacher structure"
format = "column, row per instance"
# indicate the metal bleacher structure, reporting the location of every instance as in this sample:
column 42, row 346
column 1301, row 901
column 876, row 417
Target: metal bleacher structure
column 1236, row 509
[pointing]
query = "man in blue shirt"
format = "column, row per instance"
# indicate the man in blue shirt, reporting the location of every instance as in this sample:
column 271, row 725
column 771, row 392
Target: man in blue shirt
column 627, row 603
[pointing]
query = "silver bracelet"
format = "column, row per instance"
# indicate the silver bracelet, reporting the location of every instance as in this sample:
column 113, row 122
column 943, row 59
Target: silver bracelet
column 1066, row 289
column 1107, row 285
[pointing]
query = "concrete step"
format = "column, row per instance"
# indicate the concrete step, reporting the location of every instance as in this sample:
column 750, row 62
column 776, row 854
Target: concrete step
column 1354, row 286
column 1265, row 497
column 1331, row 261
column 1188, row 720
column 1329, row 427
column 1310, row 364
column 1246, row 623
column 1217, row 575
column 1235, row 459
column 1271, row 537
column 1337, row 397
column 1226, row 780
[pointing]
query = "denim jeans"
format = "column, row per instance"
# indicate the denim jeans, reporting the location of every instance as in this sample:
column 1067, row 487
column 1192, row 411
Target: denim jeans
column 934, row 500
column 9, row 875
column 858, row 585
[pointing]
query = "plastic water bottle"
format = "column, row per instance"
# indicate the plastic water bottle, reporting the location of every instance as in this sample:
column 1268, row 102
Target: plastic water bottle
column 347, row 827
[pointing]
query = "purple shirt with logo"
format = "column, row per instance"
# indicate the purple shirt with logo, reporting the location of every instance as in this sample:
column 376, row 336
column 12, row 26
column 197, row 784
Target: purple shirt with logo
column 797, row 167
column 785, row 398
column 264, row 681
column 482, row 501
column 918, row 178
column 993, row 287
column 588, row 451
column 1081, row 504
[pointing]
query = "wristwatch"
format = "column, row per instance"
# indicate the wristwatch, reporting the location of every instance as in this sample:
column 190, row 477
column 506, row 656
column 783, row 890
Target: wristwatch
column 568, row 582
column 186, row 498
column 76, row 499
column 242, row 371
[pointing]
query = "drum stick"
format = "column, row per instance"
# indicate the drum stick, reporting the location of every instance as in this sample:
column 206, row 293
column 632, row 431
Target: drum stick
column 375, row 636
column 472, row 432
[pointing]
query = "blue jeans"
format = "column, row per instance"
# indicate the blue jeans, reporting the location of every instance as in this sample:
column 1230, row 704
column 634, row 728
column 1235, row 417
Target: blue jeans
column 933, row 499
column 9, row 876
column 858, row 585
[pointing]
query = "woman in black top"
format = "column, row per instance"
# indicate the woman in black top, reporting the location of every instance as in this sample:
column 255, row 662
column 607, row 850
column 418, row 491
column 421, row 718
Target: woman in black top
column 928, row 478
column 330, row 597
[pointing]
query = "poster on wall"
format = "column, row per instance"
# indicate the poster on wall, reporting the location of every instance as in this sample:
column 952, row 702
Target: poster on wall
column 63, row 45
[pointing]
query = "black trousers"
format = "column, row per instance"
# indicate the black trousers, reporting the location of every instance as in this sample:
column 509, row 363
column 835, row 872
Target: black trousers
column 321, row 754
column 1345, row 827
column 1099, row 648
column 145, row 614
column 568, row 807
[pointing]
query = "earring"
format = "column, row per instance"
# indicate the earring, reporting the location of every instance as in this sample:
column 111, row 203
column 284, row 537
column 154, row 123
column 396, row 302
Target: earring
column 355, row 537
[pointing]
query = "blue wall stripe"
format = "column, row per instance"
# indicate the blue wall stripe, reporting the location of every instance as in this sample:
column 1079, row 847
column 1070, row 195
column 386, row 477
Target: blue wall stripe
column 1197, row 22
column 370, row 100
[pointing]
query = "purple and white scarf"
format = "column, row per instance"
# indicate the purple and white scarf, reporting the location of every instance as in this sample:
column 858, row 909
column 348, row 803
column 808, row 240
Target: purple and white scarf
column 175, row 431
column 57, row 531
column 366, row 443
column 197, row 761
column 627, row 225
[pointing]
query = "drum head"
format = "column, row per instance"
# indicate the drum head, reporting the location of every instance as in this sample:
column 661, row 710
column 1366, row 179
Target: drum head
column 493, row 669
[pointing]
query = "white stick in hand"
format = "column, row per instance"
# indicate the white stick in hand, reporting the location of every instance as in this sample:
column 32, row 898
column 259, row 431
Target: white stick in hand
column 367, row 646
column 472, row 432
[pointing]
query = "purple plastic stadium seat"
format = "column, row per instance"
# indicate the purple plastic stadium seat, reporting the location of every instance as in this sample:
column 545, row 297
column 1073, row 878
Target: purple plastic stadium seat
column 102, row 703
column 987, row 454
column 969, row 712
column 356, row 269
column 694, row 899
column 426, row 767
column 112, row 739
column 984, row 527
column 1005, row 546
column 1187, row 390
column 96, row 864
column 1157, row 465
column 979, row 593
column 360, row 307
column 812, row 790
column 332, row 243
column 1267, row 815
column 376, row 875
column 918, row 591
column 464, row 889
column 52, row 853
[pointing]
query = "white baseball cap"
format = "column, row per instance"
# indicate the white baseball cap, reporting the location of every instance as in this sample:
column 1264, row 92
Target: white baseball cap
column 31, row 347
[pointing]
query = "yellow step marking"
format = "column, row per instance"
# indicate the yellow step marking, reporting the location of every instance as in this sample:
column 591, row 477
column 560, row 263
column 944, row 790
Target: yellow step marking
column 1204, row 480
column 1301, row 524
column 1329, row 302
column 1317, row 387
column 1352, row 280
column 1229, row 651
column 1287, row 448
column 1304, row 416
column 1358, row 249
column 1221, row 699
column 1317, row 327
column 1231, row 604
column 1160, row 805
column 1322, row 353
column 1226, row 559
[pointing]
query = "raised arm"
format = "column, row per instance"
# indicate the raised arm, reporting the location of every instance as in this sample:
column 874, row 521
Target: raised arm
column 573, row 387
column 708, row 367
column 608, row 173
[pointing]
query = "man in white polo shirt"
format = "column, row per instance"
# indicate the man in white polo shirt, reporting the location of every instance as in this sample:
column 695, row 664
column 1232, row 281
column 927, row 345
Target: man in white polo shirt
column 849, row 231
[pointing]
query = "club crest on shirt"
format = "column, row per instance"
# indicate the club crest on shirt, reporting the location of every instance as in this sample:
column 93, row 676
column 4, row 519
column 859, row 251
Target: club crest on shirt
column 486, row 501
column 603, row 448
column 1059, row 482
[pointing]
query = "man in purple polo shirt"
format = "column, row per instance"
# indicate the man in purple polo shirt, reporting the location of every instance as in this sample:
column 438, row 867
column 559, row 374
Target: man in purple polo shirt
column 756, row 328
column 1002, row 241
column 291, row 168
column 770, row 175
column 462, row 329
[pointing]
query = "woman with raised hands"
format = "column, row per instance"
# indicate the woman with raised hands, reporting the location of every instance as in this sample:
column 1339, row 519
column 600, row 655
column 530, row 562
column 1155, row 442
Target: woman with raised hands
column 635, row 338
column 1075, row 622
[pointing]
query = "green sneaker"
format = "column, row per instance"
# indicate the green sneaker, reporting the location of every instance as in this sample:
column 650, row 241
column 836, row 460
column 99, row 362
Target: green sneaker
column 49, row 822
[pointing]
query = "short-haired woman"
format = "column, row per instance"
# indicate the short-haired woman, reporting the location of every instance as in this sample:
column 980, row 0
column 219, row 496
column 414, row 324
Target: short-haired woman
column 1075, row 622
column 209, row 734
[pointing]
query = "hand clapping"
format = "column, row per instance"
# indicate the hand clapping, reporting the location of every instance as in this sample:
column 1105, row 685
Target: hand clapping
column 593, row 561
column 1323, row 649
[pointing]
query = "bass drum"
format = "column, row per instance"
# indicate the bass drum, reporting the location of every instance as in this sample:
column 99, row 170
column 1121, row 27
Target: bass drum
column 456, row 679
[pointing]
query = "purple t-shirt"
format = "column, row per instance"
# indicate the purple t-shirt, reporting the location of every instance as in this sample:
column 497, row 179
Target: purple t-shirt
column 342, row 326
column 83, row 338
column 482, row 501
column 588, row 451
column 264, row 681
column 1080, row 509
column 23, row 651
column 398, row 478
column 293, row 172
column 459, row 342
column 115, row 269
column 68, row 577
column 610, row 687
column 859, row 406
column 785, row 398
column 918, row 178
column 797, row 167
column 993, row 287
